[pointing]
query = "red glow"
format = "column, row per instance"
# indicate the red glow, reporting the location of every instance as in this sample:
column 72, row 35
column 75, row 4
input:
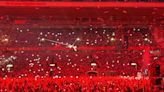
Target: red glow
column 80, row 4
column 81, row 46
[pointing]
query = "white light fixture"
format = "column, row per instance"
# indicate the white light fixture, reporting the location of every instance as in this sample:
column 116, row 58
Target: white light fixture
column 9, row 65
column 52, row 65
column 134, row 64
column 93, row 64
column 112, row 39
column 78, row 39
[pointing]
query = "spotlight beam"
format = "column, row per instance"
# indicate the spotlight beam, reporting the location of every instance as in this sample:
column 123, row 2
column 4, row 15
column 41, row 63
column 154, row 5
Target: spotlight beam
column 56, row 42
column 66, row 44
column 74, row 42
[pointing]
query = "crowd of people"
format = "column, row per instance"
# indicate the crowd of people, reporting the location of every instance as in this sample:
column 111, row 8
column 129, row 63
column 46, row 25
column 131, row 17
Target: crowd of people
column 47, row 52
column 76, row 84
column 72, row 63
column 56, row 54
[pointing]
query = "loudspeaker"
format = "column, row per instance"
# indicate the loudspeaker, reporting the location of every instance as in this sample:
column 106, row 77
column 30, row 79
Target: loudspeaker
column 126, row 38
column 157, row 70
column 158, row 81
column 51, row 73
